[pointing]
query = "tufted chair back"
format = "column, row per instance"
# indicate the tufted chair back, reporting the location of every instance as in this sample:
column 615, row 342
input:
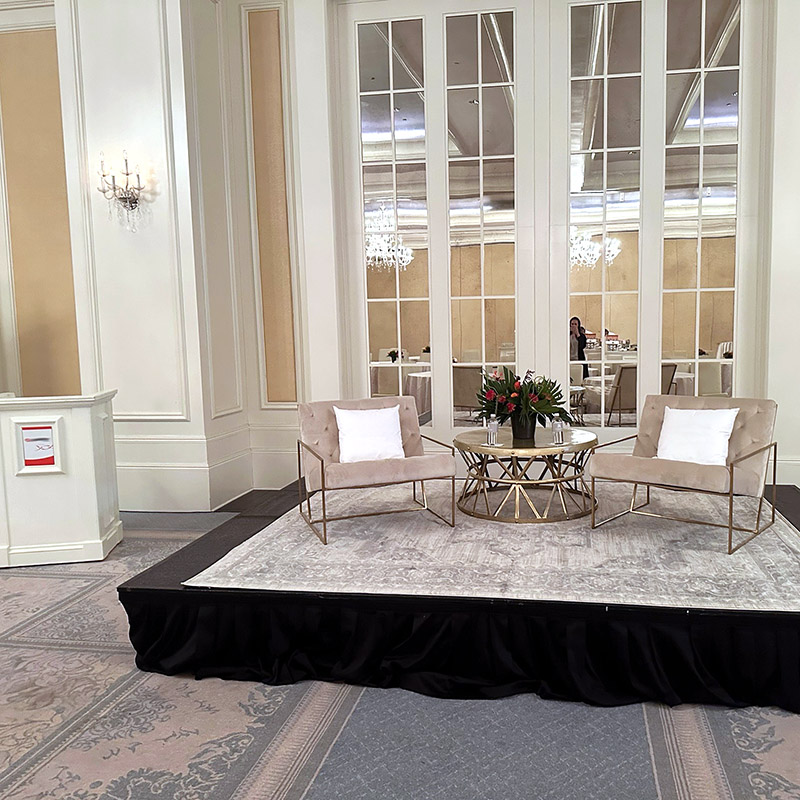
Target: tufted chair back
column 318, row 429
column 754, row 427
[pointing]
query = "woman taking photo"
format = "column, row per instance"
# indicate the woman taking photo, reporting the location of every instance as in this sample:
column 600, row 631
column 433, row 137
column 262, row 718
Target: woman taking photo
column 577, row 343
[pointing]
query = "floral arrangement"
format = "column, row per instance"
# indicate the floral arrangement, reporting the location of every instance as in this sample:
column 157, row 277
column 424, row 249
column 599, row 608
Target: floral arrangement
column 532, row 397
column 393, row 354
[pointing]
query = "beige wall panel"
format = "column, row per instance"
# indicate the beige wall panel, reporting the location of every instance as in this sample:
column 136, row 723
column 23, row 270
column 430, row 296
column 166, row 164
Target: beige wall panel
column 623, row 274
column 382, row 321
column 678, row 318
column 465, row 270
column 466, row 319
column 588, row 309
column 271, row 205
column 37, row 199
column 498, row 266
column 381, row 283
column 414, row 326
column 622, row 315
column 716, row 320
column 717, row 262
column 414, row 278
column 680, row 263
column 500, row 330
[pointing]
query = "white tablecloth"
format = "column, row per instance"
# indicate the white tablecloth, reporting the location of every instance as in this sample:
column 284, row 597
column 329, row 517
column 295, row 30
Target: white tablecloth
column 418, row 386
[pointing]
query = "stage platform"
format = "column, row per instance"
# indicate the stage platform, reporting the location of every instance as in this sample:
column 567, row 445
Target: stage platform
column 641, row 609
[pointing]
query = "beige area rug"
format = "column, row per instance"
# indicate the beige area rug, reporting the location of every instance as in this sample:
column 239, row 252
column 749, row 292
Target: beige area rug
column 637, row 560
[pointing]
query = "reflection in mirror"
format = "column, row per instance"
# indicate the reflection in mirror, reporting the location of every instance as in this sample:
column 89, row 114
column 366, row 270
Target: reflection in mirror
column 624, row 37
column 382, row 318
column 719, row 181
column 716, row 320
column 465, row 195
column 462, row 122
column 465, row 270
column 586, row 115
column 381, row 283
column 500, row 334
column 683, row 108
column 722, row 33
column 409, row 125
column 682, row 182
column 376, row 128
column 498, row 121
column 718, row 255
column 414, row 326
column 407, row 58
column 383, row 381
column 586, row 45
column 721, row 106
column 414, row 279
column 586, row 251
column 715, row 378
column 379, row 195
column 683, row 34
column 586, row 189
column 678, row 325
column 498, row 193
column 466, row 321
column 680, row 254
column 622, row 272
column 498, row 268
column 462, row 50
column 373, row 57
column 622, row 186
column 497, row 47
column 624, row 111
column 412, row 197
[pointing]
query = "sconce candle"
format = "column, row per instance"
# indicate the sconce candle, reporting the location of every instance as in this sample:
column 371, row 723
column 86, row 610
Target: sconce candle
column 125, row 195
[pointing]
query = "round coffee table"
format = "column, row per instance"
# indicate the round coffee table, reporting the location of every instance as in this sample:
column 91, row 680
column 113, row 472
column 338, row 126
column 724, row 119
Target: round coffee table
column 543, row 483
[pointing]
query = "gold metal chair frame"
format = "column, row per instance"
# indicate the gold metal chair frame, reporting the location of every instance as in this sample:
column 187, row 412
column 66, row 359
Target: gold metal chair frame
column 636, row 509
column 322, row 534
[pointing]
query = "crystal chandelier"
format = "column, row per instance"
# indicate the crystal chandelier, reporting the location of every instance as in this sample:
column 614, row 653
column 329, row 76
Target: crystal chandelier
column 384, row 249
column 122, row 193
column 583, row 252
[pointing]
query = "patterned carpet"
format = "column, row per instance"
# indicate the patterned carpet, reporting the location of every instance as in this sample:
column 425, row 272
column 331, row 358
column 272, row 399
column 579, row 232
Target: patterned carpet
column 78, row 721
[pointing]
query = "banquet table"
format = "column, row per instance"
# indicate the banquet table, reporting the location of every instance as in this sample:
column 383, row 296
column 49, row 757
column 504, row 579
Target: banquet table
column 418, row 386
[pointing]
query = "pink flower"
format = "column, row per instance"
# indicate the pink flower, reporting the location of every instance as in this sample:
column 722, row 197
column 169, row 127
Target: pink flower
column 516, row 385
column 491, row 394
column 501, row 399
column 534, row 398
column 510, row 407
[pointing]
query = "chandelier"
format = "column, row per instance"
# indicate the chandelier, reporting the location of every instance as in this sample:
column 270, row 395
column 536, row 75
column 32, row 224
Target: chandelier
column 583, row 252
column 384, row 249
column 122, row 193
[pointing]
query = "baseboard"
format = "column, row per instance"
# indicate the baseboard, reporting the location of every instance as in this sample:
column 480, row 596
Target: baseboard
column 788, row 469
column 163, row 487
column 62, row 552
column 274, row 469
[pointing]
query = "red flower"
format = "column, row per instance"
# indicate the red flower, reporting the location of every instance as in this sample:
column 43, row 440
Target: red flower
column 491, row 394
column 514, row 394
column 501, row 399
column 516, row 385
column 510, row 407
column 534, row 398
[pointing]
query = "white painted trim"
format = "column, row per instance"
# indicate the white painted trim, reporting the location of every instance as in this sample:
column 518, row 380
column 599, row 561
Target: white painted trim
column 62, row 553
column 174, row 223
column 79, row 195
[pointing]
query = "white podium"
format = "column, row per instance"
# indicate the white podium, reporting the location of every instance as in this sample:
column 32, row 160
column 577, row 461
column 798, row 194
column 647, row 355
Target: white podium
column 59, row 498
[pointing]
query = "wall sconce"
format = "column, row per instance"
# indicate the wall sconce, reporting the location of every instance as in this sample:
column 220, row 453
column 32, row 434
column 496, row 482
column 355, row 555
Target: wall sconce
column 122, row 192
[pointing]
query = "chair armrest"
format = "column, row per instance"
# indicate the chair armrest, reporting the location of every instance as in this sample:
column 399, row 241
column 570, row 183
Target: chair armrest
column 616, row 441
column 752, row 453
column 301, row 443
column 436, row 441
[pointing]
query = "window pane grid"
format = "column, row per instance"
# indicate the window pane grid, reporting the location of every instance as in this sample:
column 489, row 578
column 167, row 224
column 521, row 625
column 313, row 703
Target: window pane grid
column 699, row 298
column 604, row 213
column 394, row 179
column 481, row 180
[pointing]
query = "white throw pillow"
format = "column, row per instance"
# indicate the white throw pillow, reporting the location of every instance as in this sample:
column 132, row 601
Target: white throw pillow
column 698, row 435
column 369, row 434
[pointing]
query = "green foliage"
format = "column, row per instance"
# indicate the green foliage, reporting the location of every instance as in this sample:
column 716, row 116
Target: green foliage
column 532, row 396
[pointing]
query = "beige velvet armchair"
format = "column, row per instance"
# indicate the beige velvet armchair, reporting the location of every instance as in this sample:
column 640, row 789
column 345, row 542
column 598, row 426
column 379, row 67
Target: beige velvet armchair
column 319, row 470
column 749, row 451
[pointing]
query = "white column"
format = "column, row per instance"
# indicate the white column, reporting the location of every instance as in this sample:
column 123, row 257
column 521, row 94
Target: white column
column 784, row 282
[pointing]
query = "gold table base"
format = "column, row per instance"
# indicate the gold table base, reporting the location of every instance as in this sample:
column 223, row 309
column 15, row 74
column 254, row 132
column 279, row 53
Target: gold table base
column 525, row 488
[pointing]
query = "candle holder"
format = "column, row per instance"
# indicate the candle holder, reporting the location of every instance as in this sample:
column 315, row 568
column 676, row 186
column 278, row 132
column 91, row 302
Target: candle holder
column 123, row 193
